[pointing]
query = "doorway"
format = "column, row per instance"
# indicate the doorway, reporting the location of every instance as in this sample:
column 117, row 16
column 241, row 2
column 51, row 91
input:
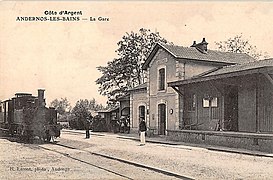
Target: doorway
column 141, row 110
column 231, row 110
column 162, row 119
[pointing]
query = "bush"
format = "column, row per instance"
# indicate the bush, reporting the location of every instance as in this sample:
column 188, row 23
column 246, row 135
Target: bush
column 76, row 124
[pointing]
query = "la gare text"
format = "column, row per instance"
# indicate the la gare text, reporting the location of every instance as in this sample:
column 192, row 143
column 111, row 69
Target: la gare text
column 99, row 19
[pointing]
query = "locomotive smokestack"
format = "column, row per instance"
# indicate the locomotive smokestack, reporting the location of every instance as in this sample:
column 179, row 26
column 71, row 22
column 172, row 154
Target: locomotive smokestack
column 41, row 100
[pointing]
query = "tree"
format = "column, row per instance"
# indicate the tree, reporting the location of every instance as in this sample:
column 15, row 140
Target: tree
column 239, row 44
column 61, row 106
column 83, row 110
column 126, row 72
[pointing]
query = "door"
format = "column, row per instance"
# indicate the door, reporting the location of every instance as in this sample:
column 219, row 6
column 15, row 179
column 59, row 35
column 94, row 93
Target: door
column 161, row 119
column 190, row 112
column 231, row 110
column 141, row 110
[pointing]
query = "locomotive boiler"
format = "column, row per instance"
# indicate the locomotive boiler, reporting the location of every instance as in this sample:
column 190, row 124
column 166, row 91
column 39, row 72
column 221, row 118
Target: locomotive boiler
column 26, row 117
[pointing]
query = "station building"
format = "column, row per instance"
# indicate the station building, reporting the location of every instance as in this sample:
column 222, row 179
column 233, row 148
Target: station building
column 198, row 95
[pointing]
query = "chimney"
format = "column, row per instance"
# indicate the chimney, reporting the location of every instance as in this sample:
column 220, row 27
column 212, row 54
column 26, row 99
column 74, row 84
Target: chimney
column 202, row 46
column 194, row 44
column 41, row 100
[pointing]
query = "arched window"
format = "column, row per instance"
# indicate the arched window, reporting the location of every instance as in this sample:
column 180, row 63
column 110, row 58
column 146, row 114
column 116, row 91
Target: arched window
column 142, row 112
column 161, row 79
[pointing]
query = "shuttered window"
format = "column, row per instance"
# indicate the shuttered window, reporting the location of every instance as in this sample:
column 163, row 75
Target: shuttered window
column 161, row 82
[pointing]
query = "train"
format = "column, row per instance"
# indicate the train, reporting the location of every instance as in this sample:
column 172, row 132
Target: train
column 26, row 117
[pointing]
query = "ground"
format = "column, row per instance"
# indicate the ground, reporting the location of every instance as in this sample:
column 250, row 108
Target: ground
column 77, row 159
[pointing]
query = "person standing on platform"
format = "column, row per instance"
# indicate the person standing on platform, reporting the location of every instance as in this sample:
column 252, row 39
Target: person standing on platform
column 87, row 127
column 142, row 129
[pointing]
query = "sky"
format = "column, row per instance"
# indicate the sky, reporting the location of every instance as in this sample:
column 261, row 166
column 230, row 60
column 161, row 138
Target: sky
column 61, row 57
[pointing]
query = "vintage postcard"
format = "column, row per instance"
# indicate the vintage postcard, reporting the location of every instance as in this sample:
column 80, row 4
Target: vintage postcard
column 136, row 90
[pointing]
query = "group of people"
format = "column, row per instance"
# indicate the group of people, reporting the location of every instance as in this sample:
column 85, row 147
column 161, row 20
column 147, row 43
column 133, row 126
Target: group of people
column 142, row 129
column 124, row 125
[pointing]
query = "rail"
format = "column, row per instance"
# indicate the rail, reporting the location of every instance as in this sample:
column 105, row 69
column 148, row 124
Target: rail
column 138, row 165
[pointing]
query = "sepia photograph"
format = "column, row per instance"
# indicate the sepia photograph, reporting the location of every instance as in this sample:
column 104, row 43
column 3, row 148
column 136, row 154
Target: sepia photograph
column 138, row 89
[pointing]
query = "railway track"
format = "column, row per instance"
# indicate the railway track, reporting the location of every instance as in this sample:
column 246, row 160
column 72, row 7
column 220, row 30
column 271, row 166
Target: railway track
column 88, row 163
column 117, row 166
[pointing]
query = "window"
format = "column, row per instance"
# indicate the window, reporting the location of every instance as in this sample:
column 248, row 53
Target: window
column 142, row 112
column 161, row 79
column 214, row 102
column 210, row 102
column 205, row 102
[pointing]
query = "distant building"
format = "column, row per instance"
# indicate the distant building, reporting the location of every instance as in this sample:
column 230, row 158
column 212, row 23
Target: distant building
column 124, row 105
column 110, row 117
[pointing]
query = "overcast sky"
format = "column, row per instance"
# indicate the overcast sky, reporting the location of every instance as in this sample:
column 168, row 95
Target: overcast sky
column 61, row 57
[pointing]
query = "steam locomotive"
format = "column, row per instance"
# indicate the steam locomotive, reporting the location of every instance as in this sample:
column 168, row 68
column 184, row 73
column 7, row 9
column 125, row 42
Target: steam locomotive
column 26, row 117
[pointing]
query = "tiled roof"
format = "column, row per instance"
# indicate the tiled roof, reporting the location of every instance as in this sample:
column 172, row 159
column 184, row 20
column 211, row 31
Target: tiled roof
column 124, row 97
column 242, row 67
column 141, row 86
column 210, row 55
column 263, row 66
column 108, row 110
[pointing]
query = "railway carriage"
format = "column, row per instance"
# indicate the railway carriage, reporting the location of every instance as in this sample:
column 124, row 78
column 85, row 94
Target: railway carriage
column 26, row 117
